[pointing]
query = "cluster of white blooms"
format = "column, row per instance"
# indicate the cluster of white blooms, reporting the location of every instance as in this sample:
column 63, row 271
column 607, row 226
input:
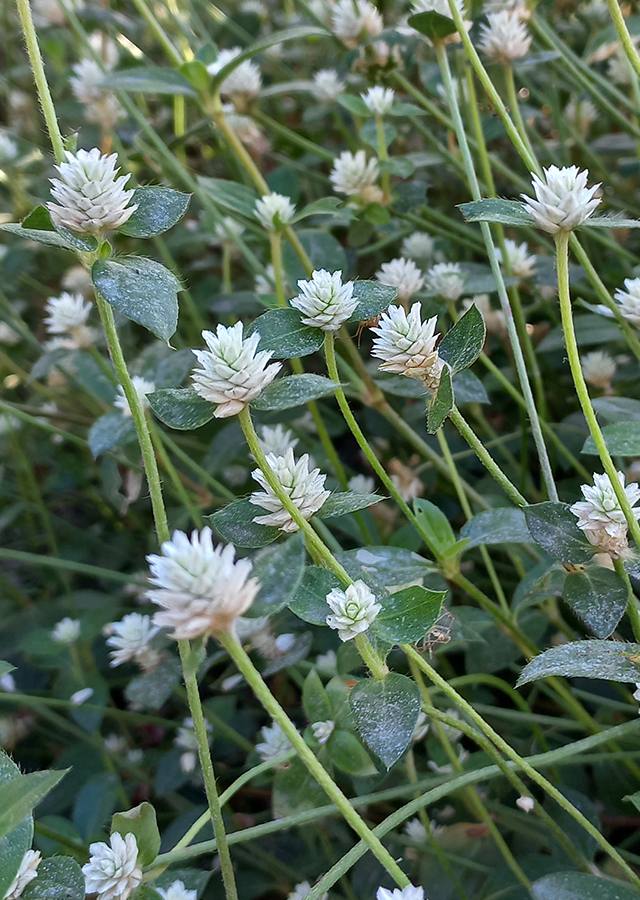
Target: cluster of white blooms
column 177, row 891
column 629, row 300
column 324, row 301
column 353, row 610
column 131, row 639
column 243, row 83
column 233, row 372
column 8, row 336
column 67, row 315
column 327, row 663
column 66, row 631
column 201, row 589
column 90, row 195
column 581, row 113
column 379, row 100
column 8, row 148
column 520, row 262
column 276, row 439
column 526, row 804
column 142, row 387
column 113, row 871
column 77, row 280
column 228, row 229
column 274, row 211
column 355, row 20
column 363, row 484
column 27, row 871
column 418, row 245
column 322, row 731
column 186, row 740
column 355, row 176
column 410, row 892
column 563, row 201
column 600, row 515
column 102, row 106
column 402, row 274
column 415, row 831
column 274, row 743
column 407, row 345
column 304, row 487
column 327, row 85
column 505, row 37
column 447, row 280
column 598, row 369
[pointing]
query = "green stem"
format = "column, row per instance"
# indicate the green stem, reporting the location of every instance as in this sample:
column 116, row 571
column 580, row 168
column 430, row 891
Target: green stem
column 275, row 240
column 159, row 32
column 213, row 483
column 170, row 469
column 383, row 154
column 512, row 97
column 377, row 666
column 623, row 35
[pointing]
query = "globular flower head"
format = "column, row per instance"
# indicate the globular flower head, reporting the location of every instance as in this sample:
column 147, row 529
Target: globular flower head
column 322, row 731
column 276, row 439
column 142, row 387
column 505, row 37
column 581, row 113
column 305, row 490
column 598, row 369
column 233, row 372
column 520, row 261
column 8, row 148
column 27, row 871
column 132, row 639
column 446, row 280
column 324, row 301
column 407, row 345
column 526, row 804
column 629, row 300
column 101, row 105
column 409, row 893
column 600, row 515
column 352, row 610
column 362, row 484
column 355, row 20
column 177, row 891
column 90, row 196
column 563, row 200
column 354, row 175
column 8, row 336
column 66, row 312
column 402, row 274
column 327, row 85
column 201, row 589
column 113, row 871
column 244, row 81
column 418, row 245
column 379, row 100
column 274, row 211
column 274, row 743
column 66, row 631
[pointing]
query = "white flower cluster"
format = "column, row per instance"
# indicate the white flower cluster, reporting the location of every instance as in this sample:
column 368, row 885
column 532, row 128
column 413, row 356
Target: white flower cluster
column 581, row 113
column 243, row 83
column 629, row 300
column 418, row 246
column 302, row 890
column 132, row 639
column 355, row 176
column 379, row 100
column 304, row 488
column 353, row 610
column 447, row 280
column 67, row 315
column 276, row 439
column 402, row 274
column 600, row 515
column 328, row 86
column 356, row 20
column 521, row 263
column 177, row 891
column 274, row 743
column 407, row 345
column 563, row 201
column 142, row 387
column 101, row 105
column 410, row 892
column 186, row 740
column 322, row 731
column 66, row 631
column 8, row 148
column 324, row 301
column 505, row 37
column 598, row 369
column 274, row 211
column 113, row 871
column 27, row 871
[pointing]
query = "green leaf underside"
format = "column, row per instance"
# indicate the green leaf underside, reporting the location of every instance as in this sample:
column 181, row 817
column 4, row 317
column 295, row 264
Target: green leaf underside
column 373, row 299
column 309, row 602
column 385, row 714
column 579, row 886
column 462, row 345
column 553, row 527
column 609, row 660
column 598, row 597
column 159, row 208
column 230, row 195
column 149, row 80
column 621, row 438
column 432, row 24
column 442, row 403
column 292, row 391
column 435, row 526
column 235, row 524
column 181, row 408
column 348, row 754
column 408, row 615
column 279, row 571
column 14, row 846
column 494, row 209
column 111, row 431
column 340, row 503
column 504, row 525
column 38, row 227
column 284, row 334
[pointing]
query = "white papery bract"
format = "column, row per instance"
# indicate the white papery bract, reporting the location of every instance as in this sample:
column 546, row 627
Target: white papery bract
column 407, row 345
column 274, row 743
column 142, row 387
column 598, row 369
column 66, row 631
column 520, row 261
column 113, row 871
column 26, row 873
column 505, row 37
column 563, row 201
column 229, row 228
column 233, row 371
column 324, row 301
column 90, row 195
column 629, row 300
column 245, row 79
column 322, row 731
column 402, row 274
column 274, row 211
column 363, row 484
column 276, row 439
column 355, row 20
column 354, row 175
column 418, row 245
column 304, row 488
column 177, row 891
column 526, row 804
column 327, row 85
column 600, row 515
column 81, row 696
column 447, row 280
column 353, row 610
column 131, row 639
column 201, row 589
column 379, row 100
column 409, row 893
column 66, row 312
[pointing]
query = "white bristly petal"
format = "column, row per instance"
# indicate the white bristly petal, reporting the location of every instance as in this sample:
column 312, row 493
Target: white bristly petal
column 305, row 489
column 563, row 201
column 324, row 301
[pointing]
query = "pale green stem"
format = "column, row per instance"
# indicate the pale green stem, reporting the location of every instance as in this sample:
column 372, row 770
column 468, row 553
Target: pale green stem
column 275, row 240
column 170, row 469
column 632, row 604
column 512, row 97
column 227, row 286
column 208, row 479
column 237, row 146
column 383, row 154
column 377, row 666
column 159, row 32
column 623, row 35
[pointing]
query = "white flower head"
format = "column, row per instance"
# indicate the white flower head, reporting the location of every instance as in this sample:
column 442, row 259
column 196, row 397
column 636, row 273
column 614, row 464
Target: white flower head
column 447, row 280
column 402, row 274
column 8, row 148
column 563, row 201
column 201, row 589
column 415, row 831
column 301, row 892
column 362, row 484
column 81, row 696
column 228, row 229
column 355, row 20
column 8, row 336
column 245, row 127
column 276, row 439
column 581, row 113
column 324, row 301
column 629, row 300
column 186, row 739
column 598, row 369
column 600, row 515
column 101, row 105
column 274, row 743
column 274, row 211
column 521, row 263
column 327, row 663
column 66, row 312
column 90, row 195
column 407, row 345
column 354, row 175
column 408, row 893
column 27, row 871
column 142, row 388
column 245, row 80
column 66, row 631
column 505, row 37
column 404, row 479
column 327, row 85
column 418, row 245
column 113, row 871
column 233, row 371
column 526, row 804
column 379, row 100
column 305, row 489
column 177, row 891
column 322, row 731
column 353, row 610
column 131, row 639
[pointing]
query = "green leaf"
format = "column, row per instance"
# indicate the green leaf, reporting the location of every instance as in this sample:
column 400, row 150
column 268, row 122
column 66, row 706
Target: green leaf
column 442, row 404
column 235, row 524
column 310, row 601
column 386, row 713
column 348, row 754
column 617, row 409
column 467, row 388
column 151, row 690
column 435, row 526
column 142, row 290
column 340, row 503
column 327, row 206
column 610, row 220
column 14, row 846
column 376, row 214
column 610, row 660
column 591, row 330
column 315, row 700
column 463, row 343
column 324, row 251
column 393, row 567
column 432, row 24
column 400, row 166
column 59, row 878
column 110, row 431
column 149, row 80
column 38, row 227
column 408, row 615
column 621, row 438
column 292, row 391
column 355, row 105
column 598, row 597
column 20, row 795
column 231, row 195
column 373, row 299
column 284, row 334
column 406, row 109
column 279, row 570
column 553, row 527
column 140, row 822
column 146, row 892
column 494, row 209
column 159, row 208
column 294, row 790
column 579, row 886
column 504, row 525
column 195, row 71
column 181, row 408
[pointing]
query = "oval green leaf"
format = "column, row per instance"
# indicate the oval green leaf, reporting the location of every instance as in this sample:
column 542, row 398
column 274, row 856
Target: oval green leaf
column 142, row 290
